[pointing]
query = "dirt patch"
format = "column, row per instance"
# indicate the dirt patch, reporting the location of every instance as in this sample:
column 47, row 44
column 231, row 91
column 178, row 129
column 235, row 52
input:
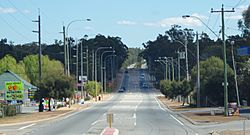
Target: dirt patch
column 175, row 105
column 201, row 117
column 206, row 117
column 31, row 116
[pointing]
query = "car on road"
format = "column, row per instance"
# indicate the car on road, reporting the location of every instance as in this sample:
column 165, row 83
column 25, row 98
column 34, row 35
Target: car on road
column 145, row 85
column 122, row 89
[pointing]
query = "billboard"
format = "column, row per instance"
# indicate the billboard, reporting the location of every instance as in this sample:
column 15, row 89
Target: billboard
column 14, row 90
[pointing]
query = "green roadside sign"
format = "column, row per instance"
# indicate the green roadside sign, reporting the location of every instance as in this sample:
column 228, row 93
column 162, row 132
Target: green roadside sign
column 14, row 91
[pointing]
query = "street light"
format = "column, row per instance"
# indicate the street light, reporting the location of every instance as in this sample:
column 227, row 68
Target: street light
column 186, row 55
column 96, row 51
column 105, row 63
column 190, row 16
column 101, row 61
column 66, row 48
column 166, row 67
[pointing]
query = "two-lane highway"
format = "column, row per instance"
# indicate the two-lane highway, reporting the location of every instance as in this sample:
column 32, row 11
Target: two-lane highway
column 136, row 112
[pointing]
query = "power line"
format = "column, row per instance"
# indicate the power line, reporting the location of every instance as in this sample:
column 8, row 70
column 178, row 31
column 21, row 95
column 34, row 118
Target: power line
column 13, row 29
column 20, row 10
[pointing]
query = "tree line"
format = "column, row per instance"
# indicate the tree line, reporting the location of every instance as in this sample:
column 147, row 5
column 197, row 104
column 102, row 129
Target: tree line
column 211, row 64
column 22, row 59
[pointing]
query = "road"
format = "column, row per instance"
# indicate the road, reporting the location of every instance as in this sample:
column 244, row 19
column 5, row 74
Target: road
column 136, row 112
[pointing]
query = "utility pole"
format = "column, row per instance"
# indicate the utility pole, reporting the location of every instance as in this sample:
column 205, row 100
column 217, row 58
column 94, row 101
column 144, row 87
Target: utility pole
column 222, row 11
column 65, row 51
column 198, row 70
column 186, row 56
column 77, row 78
column 93, row 65
column 40, row 47
column 179, row 67
column 81, row 71
column 87, row 59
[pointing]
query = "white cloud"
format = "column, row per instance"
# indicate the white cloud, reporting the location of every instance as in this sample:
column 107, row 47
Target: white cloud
column 168, row 22
column 26, row 11
column 88, row 28
column 7, row 10
column 124, row 22
column 237, row 14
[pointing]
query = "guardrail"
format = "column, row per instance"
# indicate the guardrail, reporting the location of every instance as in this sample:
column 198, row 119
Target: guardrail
column 9, row 109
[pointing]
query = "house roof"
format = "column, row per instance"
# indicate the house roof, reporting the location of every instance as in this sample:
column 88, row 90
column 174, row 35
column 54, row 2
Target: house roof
column 10, row 76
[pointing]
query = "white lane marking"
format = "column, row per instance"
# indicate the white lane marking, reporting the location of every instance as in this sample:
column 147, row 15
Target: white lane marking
column 134, row 116
column 177, row 120
column 27, row 126
column 95, row 122
column 159, row 105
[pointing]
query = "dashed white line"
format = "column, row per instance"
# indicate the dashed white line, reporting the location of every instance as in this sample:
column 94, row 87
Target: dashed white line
column 177, row 120
column 27, row 126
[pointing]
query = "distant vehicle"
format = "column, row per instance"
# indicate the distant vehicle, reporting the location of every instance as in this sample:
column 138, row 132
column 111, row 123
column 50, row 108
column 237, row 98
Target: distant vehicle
column 121, row 90
column 144, row 85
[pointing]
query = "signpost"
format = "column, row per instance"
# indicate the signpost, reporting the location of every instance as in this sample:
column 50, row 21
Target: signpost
column 14, row 91
column 110, row 119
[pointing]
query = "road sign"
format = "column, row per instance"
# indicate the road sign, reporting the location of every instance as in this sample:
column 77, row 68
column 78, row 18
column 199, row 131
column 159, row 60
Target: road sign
column 14, row 91
column 243, row 51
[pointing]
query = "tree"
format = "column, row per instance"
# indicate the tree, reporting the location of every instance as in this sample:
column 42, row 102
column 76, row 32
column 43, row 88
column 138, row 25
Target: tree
column 244, row 24
column 10, row 63
column 92, row 87
column 212, row 76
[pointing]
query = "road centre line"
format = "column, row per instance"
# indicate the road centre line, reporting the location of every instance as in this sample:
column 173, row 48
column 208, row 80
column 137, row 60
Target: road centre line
column 27, row 126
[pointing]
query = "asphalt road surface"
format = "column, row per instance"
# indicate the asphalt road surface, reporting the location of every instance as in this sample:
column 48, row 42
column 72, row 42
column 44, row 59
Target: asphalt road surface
column 136, row 112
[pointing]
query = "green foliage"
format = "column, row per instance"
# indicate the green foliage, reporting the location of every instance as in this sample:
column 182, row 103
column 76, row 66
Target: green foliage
column 133, row 57
column 9, row 63
column 92, row 87
column 212, row 76
column 172, row 89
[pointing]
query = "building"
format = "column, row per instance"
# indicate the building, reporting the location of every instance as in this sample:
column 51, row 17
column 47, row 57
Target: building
column 9, row 76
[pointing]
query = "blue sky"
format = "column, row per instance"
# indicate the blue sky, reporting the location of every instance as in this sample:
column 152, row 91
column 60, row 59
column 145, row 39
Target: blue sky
column 135, row 21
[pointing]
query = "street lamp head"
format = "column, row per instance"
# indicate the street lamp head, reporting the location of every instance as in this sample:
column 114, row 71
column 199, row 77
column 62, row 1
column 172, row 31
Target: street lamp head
column 185, row 16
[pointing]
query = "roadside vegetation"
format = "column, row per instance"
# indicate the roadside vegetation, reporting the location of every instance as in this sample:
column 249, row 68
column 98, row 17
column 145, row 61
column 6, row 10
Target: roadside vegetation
column 211, row 64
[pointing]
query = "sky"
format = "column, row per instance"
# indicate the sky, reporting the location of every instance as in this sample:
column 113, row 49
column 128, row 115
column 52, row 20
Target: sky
column 135, row 21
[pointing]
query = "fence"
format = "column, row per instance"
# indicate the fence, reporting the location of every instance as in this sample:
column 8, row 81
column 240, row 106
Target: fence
column 9, row 109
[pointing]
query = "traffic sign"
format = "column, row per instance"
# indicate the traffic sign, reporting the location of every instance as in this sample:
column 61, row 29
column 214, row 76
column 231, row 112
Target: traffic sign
column 243, row 51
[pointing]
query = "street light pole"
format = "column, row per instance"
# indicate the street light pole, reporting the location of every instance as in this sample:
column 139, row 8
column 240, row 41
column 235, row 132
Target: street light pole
column 96, row 51
column 102, row 66
column 67, row 48
column 198, row 71
column 186, row 55
column 105, row 69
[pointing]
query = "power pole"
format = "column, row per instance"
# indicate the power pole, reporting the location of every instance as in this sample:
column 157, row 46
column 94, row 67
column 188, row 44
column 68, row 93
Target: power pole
column 198, row 70
column 81, row 70
column 222, row 11
column 40, row 47
column 93, row 65
column 186, row 57
column 77, row 59
column 65, row 51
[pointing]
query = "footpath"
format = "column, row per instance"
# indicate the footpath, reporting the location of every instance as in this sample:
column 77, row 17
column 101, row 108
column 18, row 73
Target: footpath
column 25, row 118
column 204, row 116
